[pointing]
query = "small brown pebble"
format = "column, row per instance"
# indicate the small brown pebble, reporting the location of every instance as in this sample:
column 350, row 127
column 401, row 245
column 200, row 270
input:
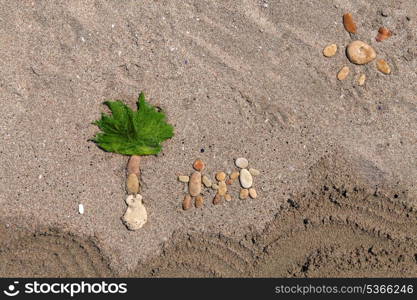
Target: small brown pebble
column 383, row 34
column 206, row 181
column 361, row 79
column 222, row 188
column 194, row 186
column 227, row 197
column 217, row 199
column 348, row 22
column 132, row 184
column 220, row 176
column 229, row 181
column 184, row 178
column 252, row 193
column 198, row 165
column 343, row 73
column 244, row 193
column 133, row 165
column 234, row 175
column 199, row 201
column 383, row 66
column 187, row 202
column 330, row 50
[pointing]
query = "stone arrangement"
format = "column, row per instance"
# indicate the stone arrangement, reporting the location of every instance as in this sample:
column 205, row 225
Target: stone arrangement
column 197, row 181
column 359, row 52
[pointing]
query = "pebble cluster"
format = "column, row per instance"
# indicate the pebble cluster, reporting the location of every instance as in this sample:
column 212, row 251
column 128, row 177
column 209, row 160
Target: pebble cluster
column 359, row 52
column 198, row 180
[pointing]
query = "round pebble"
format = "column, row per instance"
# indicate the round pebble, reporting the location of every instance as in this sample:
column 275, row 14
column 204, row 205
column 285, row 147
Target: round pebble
column 252, row 193
column 343, row 73
column 383, row 66
column 244, row 194
column 220, row 176
column 222, row 188
column 206, row 181
column 234, row 175
column 330, row 50
column 360, row 53
column 361, row 79
column 198, row 165
column 184, row 178
column 194, row 186
column 241, row 162
column 254, row 172
column 245, row 178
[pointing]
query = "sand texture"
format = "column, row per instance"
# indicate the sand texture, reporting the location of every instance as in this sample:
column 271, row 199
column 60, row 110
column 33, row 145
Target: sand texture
column 337, row 193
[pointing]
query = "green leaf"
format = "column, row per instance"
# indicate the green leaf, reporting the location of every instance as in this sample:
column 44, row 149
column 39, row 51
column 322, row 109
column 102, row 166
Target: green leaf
column 131, row 132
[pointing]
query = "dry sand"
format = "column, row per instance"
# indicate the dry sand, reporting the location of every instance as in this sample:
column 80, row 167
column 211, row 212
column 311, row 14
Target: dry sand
column 337, row 193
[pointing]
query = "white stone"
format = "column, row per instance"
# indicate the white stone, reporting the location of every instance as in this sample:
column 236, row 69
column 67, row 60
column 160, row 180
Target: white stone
column 254, row 172
column 242, row 163
column 80, row 209
column 135, row 216
column 245, row 178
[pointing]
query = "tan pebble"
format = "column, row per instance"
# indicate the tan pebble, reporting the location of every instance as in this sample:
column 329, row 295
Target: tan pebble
column 361, row 79
column 229, row 181
column 343, row 73
column 198, row 165
column 194, row 186
column 215, row 186
column 187, row 202
column 132, row 184
column 245, row 178
column 244, row 193
column 220, row 176
column 252, row 193
column 383, row 66
column 330, row 50
column 199, row 201
column 241, row 162
column 222, row 188
column 217, row 199
column 184, row 178
column 234, row 175
column 206, row 181
column 133, row 165
column 227, row 197
column 254, row 172
column 360, row 53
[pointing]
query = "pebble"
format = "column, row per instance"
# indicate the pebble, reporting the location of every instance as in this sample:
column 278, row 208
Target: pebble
column 187, row 202
column 132, row 184
column 330, row 50
column 361, row 79
column 343, row 73
column 184, row 178
column 383, row 34
column 360, row 53
column 241, row 162
column 198, row 165
column 194, row 186
column 214, row 186
column 222, row 188
column 217, row 199
column 229, row 181
column 245, row 178
column 348, row 23
column 80, row 209
column 227, row 197
column 383, row 66
column 220, row 176
column 244, row 193
column 254, row 172
column 199, row 201
column 234, row 175
column 252, row 193
column 206, row 181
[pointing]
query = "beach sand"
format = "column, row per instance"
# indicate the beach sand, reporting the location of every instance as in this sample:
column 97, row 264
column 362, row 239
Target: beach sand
column 338, row 161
